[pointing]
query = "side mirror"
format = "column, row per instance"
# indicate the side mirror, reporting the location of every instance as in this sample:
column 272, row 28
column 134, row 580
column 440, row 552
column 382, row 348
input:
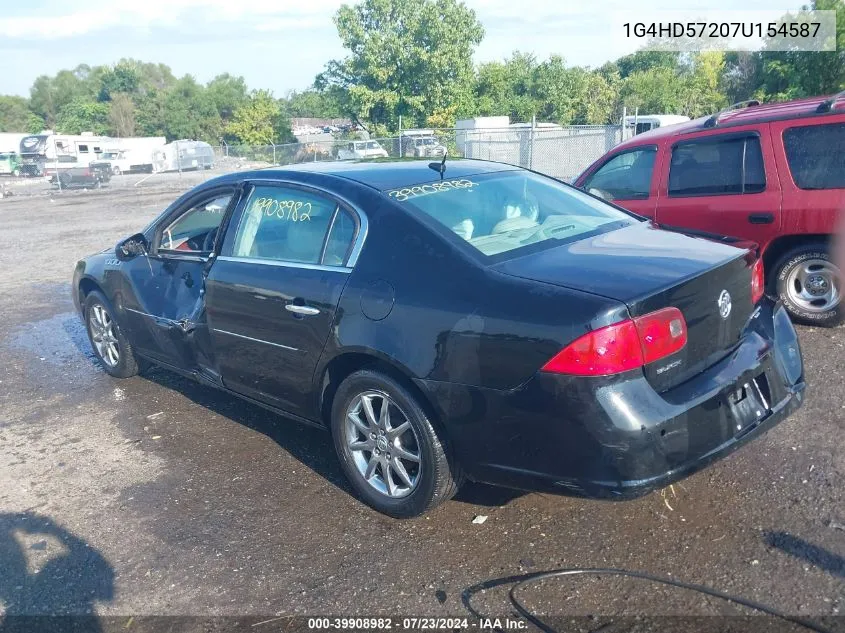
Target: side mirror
column 132, row 247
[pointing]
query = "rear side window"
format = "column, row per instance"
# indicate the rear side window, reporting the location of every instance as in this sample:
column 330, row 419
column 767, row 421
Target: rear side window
column 290, row 225
column 626, row 176
column 717, row 166
column 815, row 155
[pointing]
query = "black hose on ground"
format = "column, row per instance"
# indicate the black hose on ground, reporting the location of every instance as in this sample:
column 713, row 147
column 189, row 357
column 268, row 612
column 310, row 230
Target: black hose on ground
column 522, row 580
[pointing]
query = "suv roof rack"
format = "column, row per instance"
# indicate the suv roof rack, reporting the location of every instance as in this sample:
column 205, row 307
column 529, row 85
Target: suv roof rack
column 714, row 119
column 827, row 104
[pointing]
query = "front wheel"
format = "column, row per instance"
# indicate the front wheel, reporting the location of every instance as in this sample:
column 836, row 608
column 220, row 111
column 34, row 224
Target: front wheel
column 116, row 170
column 111, row 347
column 389, row 449
column 810, row 285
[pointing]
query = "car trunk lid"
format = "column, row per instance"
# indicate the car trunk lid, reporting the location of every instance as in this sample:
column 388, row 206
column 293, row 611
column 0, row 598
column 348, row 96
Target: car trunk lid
column 649, row 269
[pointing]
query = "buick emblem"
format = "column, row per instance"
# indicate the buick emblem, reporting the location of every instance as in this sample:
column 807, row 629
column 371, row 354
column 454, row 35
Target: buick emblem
column 725, row 304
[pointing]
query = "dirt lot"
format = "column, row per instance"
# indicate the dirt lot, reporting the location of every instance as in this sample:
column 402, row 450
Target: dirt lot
column 154, row 495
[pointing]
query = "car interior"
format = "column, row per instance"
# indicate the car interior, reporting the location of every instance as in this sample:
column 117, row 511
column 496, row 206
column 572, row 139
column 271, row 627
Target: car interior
column 505, row 213
column 267, row 234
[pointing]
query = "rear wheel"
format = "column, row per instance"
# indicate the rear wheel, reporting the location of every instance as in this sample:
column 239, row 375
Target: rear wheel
column 111, row 347
column 388, row 447
column 810, row 285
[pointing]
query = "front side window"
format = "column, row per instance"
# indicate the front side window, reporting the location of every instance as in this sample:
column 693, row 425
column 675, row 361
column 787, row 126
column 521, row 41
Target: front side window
column 717, row 166
column 626, row 176
column 503, row 212
column 194, row 231
column 291, row 225
column 815, row 155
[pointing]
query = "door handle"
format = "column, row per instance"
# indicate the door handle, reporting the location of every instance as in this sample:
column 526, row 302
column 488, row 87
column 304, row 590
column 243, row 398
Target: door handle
column 301, row 310
column 761, row 218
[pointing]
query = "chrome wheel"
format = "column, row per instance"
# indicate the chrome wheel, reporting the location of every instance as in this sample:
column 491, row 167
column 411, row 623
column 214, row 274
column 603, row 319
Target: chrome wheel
column 814, row 285
column 101, row 326
column 383, row 444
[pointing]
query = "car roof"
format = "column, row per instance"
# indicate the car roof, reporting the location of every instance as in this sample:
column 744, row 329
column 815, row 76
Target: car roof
column 381, row 175
column 746, row 114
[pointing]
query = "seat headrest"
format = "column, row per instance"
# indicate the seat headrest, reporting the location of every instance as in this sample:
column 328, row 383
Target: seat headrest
column 305, row 240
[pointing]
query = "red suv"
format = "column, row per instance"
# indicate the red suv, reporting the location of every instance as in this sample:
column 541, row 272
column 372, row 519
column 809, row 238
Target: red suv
column 773, row 174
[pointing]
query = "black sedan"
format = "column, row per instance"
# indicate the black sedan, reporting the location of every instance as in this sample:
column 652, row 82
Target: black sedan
column 451, row 320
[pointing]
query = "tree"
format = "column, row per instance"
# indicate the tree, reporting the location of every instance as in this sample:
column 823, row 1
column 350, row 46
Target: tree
column 14, row 114
column 792, row 74
column 123, row 78
column 742, row 76
column 227, row 93
column 313, row 103
column 647, row 60
column 407, row 57
column 49, row 95
column 507, row 88
column 187, row 112
column 702, row 92
column 81, row 115
column 122, row 115
column 260, row 121
column 652, row 91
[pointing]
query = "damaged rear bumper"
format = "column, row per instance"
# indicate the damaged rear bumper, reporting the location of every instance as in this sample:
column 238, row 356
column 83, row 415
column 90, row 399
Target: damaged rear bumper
column 616, row 437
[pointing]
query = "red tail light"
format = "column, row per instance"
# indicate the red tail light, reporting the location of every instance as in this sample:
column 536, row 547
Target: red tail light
column 622, row 346
column 661, row 333
column 758, row 281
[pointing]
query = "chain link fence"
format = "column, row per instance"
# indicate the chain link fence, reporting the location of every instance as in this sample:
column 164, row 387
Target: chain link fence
column 561, row 152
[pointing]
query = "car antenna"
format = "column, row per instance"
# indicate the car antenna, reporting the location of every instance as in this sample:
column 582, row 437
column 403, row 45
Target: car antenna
column 439, row 167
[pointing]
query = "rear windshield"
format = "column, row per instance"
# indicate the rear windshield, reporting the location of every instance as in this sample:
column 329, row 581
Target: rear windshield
column 502, row 212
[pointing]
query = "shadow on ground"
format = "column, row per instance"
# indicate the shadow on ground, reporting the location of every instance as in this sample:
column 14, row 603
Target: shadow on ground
column 799, row 548
column 47, row 571
column 311, row 446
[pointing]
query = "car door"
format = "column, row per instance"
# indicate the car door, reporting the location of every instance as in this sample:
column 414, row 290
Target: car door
column 162, row 294
column 627, row 178
column 723, row 182
column 272, row 294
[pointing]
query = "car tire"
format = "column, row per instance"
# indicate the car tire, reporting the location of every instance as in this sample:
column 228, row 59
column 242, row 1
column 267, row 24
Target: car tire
column 16, row 173
column 126, row 364
column 116, row 171
column 809, row 284
column 435, row 476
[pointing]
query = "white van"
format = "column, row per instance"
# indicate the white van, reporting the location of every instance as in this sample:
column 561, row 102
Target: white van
column 361, row 149
column 639, row 123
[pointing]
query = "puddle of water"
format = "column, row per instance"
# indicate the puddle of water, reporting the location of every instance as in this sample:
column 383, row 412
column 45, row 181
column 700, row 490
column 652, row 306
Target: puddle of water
column 59, row 342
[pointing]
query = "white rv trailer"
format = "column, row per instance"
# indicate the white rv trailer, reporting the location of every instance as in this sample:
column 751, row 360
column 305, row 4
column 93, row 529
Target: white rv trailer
column 183, row 155
column 38, row 150
column 11, row 142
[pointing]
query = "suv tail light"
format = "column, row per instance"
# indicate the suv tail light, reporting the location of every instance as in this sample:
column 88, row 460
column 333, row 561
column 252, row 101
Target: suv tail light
column 758, row 281
column 622, row 346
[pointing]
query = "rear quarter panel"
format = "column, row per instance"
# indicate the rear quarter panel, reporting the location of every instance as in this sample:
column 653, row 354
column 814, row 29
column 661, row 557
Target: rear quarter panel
column 815, row 212
column 450, row 318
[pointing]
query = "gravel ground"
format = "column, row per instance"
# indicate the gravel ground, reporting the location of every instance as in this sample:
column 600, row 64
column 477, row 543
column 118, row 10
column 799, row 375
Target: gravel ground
column 154, row 495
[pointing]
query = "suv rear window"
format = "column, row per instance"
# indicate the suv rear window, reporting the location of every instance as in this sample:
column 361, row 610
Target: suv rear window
column 717, row 166
column 815, row 155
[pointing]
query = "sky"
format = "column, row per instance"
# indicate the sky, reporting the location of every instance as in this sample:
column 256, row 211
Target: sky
column 282, row 44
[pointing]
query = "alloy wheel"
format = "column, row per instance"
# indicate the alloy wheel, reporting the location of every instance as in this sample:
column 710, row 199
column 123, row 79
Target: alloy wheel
column 383, row 444
column 103, row 336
